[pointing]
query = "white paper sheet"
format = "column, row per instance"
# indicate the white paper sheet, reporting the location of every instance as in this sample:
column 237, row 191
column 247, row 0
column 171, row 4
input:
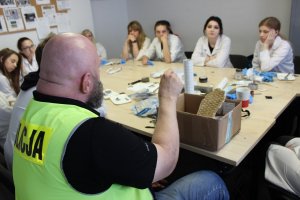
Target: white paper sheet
column 3, row 27
column 63, row 23
column 63, row 4
column 49, row 13
column 29, row 15
column 40, row 2
column 13, row 19
column 42, row 27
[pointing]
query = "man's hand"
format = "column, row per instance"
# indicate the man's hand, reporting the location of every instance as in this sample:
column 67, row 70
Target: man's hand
column 170, row 85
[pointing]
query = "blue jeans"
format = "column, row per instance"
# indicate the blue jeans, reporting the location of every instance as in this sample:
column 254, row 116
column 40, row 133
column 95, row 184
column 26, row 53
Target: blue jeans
column 195, row 186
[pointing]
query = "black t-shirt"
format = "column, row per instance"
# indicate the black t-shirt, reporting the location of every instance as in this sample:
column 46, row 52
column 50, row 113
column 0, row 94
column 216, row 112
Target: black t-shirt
column 100, row 153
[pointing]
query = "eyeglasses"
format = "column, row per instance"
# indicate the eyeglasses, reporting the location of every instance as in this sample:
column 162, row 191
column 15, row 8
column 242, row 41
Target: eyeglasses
column 29, row 47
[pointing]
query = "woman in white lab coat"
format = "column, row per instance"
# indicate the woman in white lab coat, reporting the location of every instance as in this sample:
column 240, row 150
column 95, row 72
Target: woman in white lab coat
column 272, row 52
column 166, row 46
column 213, row 48
column 100, row 48
column 136, row 42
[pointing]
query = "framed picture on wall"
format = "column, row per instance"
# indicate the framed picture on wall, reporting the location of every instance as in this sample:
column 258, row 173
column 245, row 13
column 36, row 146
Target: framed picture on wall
column 40, row 2
column 29, row 15
column 7, row 3
column 20, row 3
column 13, row 19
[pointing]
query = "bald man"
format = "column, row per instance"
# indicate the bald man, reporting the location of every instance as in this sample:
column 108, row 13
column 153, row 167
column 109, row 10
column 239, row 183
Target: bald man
column 64, row 150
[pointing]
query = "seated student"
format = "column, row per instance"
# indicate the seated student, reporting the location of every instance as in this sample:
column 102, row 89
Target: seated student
column 136, row 42
column 10, row 70
column 75, row 154
column 165, row 46
column 283, row 164
column 272, row 52
column 27, row 50
column 213, row 48
column 100, row 48
column 25, row 95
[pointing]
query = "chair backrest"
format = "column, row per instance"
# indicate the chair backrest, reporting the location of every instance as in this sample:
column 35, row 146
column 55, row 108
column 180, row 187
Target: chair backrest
column 188, row 54
column 239, row 61
column 297, row 64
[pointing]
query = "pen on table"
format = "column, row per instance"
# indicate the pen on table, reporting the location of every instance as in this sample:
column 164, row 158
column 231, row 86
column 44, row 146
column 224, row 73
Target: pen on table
column 149, row 127
column 144, row 80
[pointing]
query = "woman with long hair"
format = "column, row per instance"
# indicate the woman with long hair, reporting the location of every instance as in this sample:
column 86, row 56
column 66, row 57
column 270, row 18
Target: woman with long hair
column 272, row 52
column 136, row 42
column 166, row 46
column 10, row 72
column 213, row 48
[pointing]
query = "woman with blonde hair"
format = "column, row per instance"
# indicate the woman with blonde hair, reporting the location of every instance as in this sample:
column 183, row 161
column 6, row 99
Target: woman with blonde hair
column 136, row 42
column 100, row 48
column 272, row 52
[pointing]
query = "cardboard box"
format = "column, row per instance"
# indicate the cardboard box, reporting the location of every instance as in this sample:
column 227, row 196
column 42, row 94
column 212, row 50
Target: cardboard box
column 207, row 133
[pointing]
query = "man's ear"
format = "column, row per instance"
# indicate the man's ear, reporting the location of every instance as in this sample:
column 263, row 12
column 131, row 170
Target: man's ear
column 86, row 83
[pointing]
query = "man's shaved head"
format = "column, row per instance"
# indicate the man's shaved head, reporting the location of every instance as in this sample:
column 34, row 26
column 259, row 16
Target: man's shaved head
column 69, row 67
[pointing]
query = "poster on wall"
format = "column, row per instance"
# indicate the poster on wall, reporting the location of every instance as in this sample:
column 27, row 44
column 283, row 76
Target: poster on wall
column 40, row 2
column 13, row 19
column 42, row 27
column 50, row 14
column 29, row 15
column 63, row 5
column 7, row 3
column 3, row 28
column 63, row 23
column 21, row 3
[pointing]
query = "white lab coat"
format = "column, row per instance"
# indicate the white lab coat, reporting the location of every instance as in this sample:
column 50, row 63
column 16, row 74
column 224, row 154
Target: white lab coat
column 101, row 51
column 221, row 51
column 283, row 165
column 278, row 59
column 142, row 51
column 175, row 45
column 29, row 67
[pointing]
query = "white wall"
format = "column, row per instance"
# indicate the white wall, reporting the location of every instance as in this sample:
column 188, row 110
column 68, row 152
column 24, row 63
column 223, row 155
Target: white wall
column 78, row 23
column 110, row 23
column 240, row 18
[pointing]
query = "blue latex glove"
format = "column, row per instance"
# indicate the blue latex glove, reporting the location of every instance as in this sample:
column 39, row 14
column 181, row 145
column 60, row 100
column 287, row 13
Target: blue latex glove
column 149, row 62
column 267, row 76
column 122, row 61
column 104, row 61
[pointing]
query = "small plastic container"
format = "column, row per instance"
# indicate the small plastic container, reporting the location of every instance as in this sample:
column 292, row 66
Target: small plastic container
column 238, row 74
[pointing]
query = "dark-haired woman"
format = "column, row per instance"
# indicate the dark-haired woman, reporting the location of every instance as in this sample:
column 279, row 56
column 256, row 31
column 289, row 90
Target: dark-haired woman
column 27, row 50
column 213, row 48
column 166, row 46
